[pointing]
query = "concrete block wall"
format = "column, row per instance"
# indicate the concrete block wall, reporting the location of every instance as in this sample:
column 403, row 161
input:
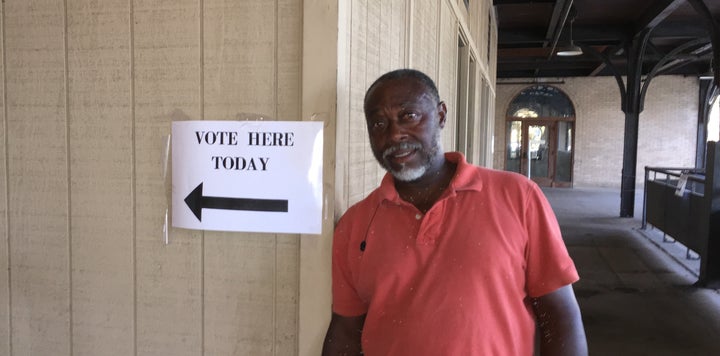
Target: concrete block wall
column 667, row 130
column 667, row 135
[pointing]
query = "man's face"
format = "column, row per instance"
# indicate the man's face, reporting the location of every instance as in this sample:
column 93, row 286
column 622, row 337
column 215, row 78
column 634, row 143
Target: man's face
column 404, row 122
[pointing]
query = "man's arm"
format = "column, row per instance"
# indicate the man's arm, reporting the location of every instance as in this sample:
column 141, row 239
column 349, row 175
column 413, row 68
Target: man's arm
column 560, row 324
column 343, row 336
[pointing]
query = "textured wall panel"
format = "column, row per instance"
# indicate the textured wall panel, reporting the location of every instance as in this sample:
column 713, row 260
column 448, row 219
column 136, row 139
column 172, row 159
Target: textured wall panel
column 166, row 58
column 37, row 177
column 239, row 271
column 287, row 260
column 252, row 65
column 359, row 155
column 447, row 79
column 425, row 36
column 100, row 122
column 239, row 294
column 396, row 35
column 375, row 66
column 4, row 253
column 289, row 59
column 239, row 58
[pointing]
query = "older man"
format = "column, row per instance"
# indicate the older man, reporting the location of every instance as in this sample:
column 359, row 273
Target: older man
column 446, row 258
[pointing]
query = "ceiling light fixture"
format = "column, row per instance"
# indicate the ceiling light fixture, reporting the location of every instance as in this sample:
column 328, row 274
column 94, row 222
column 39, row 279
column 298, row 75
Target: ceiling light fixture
column 572, row 49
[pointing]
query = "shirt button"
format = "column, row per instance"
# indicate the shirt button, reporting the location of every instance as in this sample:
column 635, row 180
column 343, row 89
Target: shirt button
column 418, row 216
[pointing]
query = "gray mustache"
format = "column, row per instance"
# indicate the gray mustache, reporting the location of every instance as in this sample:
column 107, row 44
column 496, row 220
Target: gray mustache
column 401, row 146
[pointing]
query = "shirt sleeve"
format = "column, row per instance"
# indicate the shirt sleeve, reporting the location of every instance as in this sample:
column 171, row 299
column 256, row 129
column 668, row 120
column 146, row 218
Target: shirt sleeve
column 549, row 265
column 345, row 299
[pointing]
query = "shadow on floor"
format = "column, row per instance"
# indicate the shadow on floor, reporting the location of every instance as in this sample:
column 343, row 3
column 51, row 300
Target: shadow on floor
column 636, row 292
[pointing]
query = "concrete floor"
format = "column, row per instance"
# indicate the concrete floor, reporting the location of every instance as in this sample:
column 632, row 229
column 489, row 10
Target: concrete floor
column 636, row 291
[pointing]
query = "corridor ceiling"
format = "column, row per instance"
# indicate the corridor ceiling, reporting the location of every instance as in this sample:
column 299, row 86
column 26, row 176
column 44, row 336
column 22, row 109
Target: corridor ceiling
column 530, row 32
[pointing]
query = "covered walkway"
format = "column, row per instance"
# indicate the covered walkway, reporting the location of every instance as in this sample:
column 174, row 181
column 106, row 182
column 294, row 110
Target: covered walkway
column 636, row 290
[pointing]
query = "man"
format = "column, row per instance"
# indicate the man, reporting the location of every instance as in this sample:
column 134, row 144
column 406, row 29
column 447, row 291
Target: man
column 446, row 258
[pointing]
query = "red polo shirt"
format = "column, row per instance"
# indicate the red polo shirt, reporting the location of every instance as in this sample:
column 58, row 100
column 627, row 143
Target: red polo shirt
column 456, row 280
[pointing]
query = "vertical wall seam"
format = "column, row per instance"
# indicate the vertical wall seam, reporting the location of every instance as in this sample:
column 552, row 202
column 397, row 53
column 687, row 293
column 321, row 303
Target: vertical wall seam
column 299, row 112
column 133, row 175
column 276, row 44
column 276, row 68
column 408, row 33
column 346, row 168
column 68, row 177
column 438, row 37
column 201, row 50
column 6, row 145
column 201, row 11
column 366, row 28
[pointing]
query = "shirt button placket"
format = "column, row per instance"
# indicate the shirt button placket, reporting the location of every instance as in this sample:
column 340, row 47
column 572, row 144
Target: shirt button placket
column 429, row 229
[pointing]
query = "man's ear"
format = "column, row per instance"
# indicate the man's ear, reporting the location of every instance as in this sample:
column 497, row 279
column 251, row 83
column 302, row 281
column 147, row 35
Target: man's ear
column 442, row 113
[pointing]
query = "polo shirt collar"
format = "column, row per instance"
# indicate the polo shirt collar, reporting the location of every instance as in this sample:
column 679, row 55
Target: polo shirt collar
column 464, row 179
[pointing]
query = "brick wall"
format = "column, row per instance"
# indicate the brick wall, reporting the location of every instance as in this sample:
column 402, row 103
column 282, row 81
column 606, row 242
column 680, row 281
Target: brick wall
column 667, row 130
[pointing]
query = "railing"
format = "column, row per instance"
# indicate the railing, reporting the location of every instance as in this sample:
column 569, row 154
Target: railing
column 690, row 180
column 671, row 214
column 684, row 203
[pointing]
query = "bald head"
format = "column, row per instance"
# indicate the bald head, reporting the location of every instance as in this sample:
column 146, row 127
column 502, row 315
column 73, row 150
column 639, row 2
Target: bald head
column 409, row 74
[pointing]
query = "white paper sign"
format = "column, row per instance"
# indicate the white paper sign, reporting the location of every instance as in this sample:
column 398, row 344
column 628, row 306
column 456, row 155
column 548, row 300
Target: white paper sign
column 254, row 176
column 682, row 183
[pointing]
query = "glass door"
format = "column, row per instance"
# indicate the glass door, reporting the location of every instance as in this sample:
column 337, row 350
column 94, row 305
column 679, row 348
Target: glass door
column 564, row 153
column 540, row 133
column 537, row 162
column 541, row 150
column 514, row 150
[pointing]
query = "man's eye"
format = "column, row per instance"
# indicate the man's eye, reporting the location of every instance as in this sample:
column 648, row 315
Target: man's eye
column 411, row 116
column 378, row 125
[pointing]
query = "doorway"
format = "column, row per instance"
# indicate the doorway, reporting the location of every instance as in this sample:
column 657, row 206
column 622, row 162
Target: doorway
column 541, row 150
column 540, row 136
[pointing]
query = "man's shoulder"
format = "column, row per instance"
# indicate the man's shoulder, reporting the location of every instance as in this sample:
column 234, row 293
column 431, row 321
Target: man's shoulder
column 472, row 177
column 494, row 179
column 491, row 174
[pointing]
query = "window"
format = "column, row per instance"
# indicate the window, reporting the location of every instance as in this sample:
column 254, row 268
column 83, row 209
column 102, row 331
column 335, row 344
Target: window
column 465, row 105
column 541, row 101
column 713, row 121
column 489, row 37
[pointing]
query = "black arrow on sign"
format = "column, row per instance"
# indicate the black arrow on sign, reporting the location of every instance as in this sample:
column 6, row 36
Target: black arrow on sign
column 197, row 202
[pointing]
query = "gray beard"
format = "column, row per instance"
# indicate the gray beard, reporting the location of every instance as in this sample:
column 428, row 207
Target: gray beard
column 408, row 174
column 411, row 174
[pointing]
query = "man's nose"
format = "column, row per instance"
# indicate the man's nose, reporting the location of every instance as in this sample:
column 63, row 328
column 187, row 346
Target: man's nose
column 397, row 132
